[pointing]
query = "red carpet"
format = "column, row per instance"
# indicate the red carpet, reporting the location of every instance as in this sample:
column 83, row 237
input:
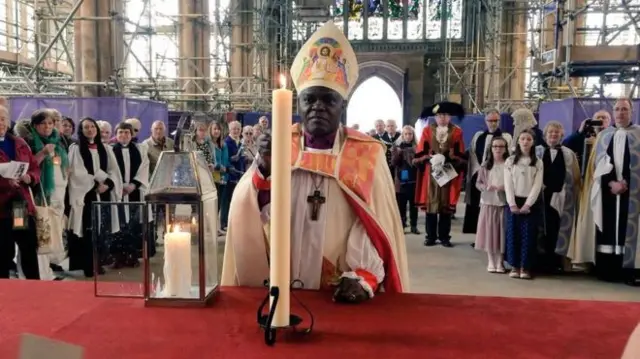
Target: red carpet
column 400, row 326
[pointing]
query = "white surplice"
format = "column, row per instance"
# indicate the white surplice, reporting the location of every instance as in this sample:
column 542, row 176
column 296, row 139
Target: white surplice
column 308, row 236
column 604, row 167
column 142, row 175
column 81, row 182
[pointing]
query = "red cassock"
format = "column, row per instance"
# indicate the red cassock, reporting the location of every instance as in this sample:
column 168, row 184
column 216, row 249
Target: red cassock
column 429, row 146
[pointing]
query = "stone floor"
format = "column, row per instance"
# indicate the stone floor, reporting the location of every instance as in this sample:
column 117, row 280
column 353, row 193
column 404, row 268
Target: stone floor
column 462, row 270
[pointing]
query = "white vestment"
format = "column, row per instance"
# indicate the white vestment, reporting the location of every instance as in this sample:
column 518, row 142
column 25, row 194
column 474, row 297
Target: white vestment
column 81, row 182
column 141, row 175
column 308, row 235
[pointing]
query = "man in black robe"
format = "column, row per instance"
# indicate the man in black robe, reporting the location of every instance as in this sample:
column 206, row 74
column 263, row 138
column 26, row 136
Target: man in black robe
column 615, row 198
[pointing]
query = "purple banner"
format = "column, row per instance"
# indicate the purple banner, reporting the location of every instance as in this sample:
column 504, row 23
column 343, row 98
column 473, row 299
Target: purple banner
column 572, row 111
column 110, row 109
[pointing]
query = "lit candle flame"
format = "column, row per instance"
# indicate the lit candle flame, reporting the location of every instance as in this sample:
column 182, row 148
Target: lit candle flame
column 283, row 81
column 176, row 228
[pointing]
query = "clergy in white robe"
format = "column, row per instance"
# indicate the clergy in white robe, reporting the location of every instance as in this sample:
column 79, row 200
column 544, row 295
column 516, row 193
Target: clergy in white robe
column 612, row 191
column 477, row 153
column 133, row 164
column 94, row 177
column 561, row 187
column 345, row 226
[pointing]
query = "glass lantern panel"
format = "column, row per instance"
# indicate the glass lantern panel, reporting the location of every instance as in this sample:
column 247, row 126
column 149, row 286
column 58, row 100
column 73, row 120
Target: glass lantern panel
column 212, row 251
column 205, row 178
column 118, row 247
column 174, row 272
column 175, row 173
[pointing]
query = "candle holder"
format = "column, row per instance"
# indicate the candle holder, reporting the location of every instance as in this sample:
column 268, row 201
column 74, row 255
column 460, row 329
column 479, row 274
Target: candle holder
column 265, row 320
column 184, row 224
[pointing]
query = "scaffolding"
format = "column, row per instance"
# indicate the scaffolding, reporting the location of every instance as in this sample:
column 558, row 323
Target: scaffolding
column 558, row 34
column 37, row 54
column 38, row 57
column 587, row 48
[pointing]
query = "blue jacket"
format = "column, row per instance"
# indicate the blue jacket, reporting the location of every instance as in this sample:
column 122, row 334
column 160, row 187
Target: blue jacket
column 221, row 158
column 237, row 167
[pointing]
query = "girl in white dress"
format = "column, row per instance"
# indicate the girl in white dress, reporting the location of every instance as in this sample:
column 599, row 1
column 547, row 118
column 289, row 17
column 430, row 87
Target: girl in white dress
column 491, row 229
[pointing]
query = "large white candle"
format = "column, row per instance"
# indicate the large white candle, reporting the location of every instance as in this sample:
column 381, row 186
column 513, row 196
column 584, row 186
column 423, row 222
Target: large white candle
column 177, row 263
column 280, row 235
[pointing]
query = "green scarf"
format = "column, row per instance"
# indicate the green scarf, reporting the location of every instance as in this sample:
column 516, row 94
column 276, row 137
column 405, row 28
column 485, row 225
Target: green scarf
column 47, row 179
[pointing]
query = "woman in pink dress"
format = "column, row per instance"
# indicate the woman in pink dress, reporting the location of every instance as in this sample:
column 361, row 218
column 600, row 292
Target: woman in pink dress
column 491, row 231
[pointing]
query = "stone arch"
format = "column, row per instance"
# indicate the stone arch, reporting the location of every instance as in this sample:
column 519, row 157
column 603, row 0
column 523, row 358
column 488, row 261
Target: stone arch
column 388, row 72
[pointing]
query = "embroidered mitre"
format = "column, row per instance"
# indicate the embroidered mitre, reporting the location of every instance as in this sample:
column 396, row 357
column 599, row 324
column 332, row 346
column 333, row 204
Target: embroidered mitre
column 326, row 59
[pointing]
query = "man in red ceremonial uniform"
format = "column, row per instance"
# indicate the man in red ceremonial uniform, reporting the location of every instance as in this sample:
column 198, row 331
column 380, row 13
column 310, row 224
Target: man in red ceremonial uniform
column 346, row 234
column 440, row 152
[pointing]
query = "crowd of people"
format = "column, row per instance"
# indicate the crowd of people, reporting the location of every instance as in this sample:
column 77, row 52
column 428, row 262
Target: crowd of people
column 535, row 205
column 69, row 170
column 538, row 202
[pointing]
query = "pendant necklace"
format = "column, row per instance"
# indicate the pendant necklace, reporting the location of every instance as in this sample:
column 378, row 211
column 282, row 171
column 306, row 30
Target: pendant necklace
column 316, row 199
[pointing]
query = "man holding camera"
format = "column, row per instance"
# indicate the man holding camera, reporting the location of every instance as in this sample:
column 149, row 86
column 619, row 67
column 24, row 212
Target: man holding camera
column 581, row 141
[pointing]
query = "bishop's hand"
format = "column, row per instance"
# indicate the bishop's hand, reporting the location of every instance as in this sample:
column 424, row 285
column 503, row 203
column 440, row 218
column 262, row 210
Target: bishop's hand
column 350, row 291
column 264, row 149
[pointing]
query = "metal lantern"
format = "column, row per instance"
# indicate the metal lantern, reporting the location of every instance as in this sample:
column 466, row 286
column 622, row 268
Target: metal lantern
column 184, row 226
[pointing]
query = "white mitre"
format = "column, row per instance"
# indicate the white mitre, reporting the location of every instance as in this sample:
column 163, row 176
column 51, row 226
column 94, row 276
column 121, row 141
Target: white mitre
column 328, row 60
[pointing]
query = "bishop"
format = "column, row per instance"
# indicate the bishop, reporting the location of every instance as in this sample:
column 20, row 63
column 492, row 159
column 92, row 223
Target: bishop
column 344, row 219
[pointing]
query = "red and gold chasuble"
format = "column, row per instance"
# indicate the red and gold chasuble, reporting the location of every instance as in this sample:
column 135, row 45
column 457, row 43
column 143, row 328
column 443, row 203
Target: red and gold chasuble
column 354, row 170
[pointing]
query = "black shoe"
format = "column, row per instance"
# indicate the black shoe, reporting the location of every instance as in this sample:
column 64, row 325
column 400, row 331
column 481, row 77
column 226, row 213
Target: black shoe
column 415, row 230
column 447, row 244
column 429, row 242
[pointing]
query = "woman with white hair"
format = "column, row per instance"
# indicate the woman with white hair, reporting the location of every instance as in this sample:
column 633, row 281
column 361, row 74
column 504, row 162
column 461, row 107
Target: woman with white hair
column 524, row 119
column 105, row 131
column 249, row 145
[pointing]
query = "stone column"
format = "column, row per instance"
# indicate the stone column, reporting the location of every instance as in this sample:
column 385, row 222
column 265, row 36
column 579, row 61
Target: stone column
column 98, row 46
column 186, row 51
column 513, row 52
column 203, row 48
column 194, row 52
column 517, row 83
column 241, row 43
column 577, row 39
column 9, row 28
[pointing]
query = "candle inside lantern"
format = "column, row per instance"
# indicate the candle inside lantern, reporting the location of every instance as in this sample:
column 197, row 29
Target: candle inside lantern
column 280, row 240
column 177, row 263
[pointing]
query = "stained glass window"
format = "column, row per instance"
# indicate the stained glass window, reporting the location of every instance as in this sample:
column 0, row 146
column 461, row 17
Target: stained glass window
column 419, row 12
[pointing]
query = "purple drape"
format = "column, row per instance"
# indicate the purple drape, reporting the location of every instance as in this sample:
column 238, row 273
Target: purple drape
column 110, row 109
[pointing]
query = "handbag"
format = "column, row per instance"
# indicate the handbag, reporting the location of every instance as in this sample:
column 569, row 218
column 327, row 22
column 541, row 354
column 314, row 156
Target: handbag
column 48, row 229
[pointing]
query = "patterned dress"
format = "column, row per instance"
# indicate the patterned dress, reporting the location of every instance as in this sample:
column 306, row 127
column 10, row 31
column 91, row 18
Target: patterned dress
column 523, row 184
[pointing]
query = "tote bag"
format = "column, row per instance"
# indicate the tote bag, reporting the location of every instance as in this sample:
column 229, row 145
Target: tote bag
column 49, row 229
